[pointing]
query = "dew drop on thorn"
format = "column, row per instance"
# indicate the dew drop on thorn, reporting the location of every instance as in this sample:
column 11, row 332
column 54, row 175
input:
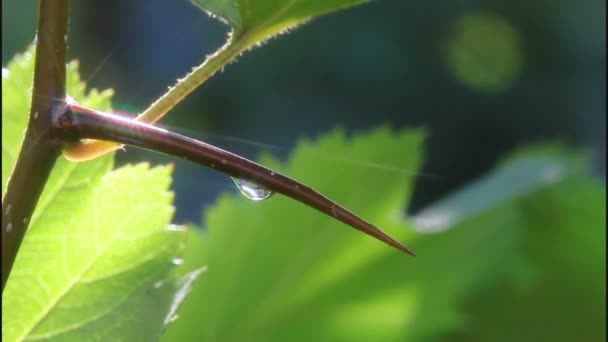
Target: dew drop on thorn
column 251, row 190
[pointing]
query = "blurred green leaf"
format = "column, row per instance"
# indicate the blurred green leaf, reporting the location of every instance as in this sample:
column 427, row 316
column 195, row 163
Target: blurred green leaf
column 559, row 292
column 96, row 262
column 262, row 19
column 278, row 271
column 524, row 172
column 558, row 267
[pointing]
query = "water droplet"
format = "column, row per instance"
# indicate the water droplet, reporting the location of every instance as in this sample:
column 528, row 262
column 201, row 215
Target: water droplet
column 25, row 220
column 5, row 73
column 35, row 115
column 272, row 173
column 252, row 190
column 177, row 261
column 8, row 209
column 9, row 227
column 158, row 284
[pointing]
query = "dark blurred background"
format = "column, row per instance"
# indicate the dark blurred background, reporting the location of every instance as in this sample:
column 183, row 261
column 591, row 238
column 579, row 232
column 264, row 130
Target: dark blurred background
column 482, row 77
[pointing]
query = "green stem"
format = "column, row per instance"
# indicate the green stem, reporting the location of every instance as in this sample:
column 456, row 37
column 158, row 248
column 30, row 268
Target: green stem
column 190, row 82
column 198, row 75
column 40, row 149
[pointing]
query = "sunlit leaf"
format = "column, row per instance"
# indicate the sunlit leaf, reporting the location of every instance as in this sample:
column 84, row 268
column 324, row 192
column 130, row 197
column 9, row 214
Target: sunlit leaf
column 261, row 19
column 96, row 262
column 279, row 271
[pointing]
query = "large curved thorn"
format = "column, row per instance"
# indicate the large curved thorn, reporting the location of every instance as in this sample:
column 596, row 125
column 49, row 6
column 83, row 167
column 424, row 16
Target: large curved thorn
column 86, row 123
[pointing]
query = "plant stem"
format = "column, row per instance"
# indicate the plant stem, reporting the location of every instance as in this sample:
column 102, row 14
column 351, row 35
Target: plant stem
column 92, row 149
column 87, row 123
column 39, row 150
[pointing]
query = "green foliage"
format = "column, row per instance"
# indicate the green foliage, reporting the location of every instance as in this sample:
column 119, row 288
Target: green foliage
column 16, row 84
column 521, row 174
column 523, row 249
column 277, row 271
column 96, row 262
column 262, row 19
column 16, row 78
column 559, row 292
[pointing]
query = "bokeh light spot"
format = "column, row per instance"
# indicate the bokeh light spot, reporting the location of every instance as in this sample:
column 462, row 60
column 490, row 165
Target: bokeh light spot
column 483, row 52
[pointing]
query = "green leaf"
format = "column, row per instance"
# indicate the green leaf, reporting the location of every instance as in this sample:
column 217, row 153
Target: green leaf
column 252, row 22
column 558, row 291
column 96, row 262
column 279, row 271
column 16, row 78
column 261, row 19
column 558, row 267
column 523, row 173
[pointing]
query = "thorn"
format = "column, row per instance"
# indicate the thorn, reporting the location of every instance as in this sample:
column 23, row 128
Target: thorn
column 153, row 138
column 356, row 222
